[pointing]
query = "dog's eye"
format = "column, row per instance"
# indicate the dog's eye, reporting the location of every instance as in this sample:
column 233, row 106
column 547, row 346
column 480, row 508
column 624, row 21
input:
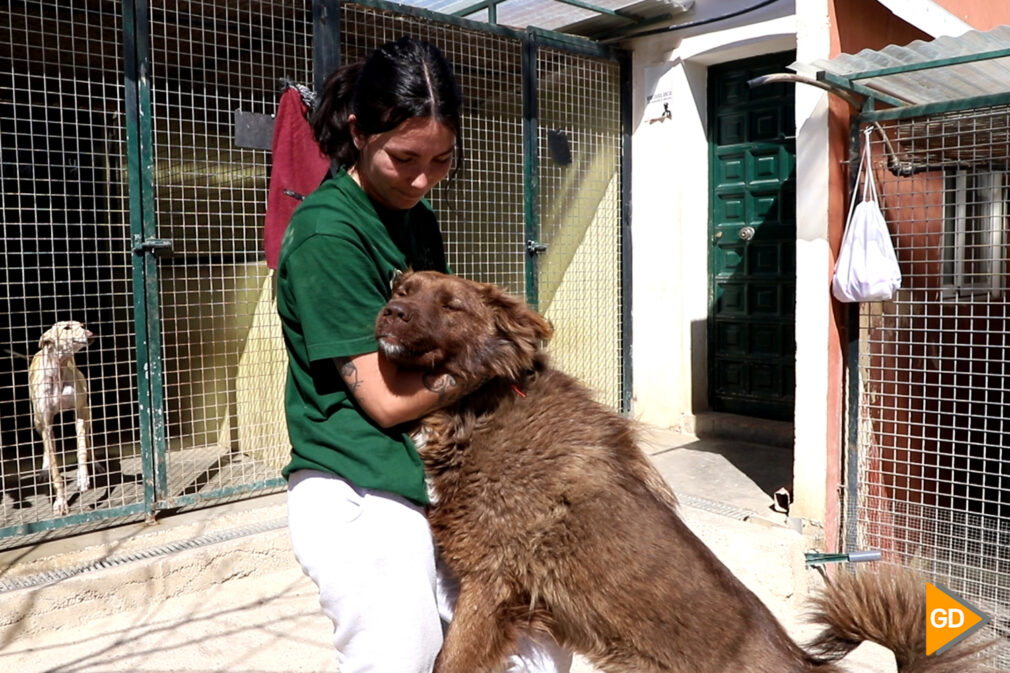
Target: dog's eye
column 453, row 305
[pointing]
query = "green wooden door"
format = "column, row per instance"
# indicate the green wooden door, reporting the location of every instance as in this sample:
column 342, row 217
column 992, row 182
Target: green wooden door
column 752, row 234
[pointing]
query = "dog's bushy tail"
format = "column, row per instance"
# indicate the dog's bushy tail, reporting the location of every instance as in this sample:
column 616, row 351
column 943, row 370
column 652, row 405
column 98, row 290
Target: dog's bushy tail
column 886, row 606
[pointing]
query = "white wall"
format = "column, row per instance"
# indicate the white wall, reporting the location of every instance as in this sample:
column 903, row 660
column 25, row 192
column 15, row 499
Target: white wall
column 814, row 263
column 670, row 207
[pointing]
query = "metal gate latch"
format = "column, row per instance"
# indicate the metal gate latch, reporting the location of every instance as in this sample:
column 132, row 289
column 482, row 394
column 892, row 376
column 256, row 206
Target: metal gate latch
column 534, row 248
column 159, row 246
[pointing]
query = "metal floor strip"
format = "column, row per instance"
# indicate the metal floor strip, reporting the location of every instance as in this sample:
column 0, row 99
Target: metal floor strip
column 52, row 576
column 716, row 507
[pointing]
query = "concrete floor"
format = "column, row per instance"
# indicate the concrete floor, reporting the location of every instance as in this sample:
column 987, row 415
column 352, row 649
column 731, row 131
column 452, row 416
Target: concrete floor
column 242, row 605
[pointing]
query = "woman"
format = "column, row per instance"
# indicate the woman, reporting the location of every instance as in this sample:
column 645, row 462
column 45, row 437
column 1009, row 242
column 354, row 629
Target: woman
column 356, row 492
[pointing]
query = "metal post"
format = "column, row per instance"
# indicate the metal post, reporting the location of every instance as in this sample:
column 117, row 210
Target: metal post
column 531, row 173
column 146, row 315
column 326, row 40
column 627, row 125
column 850, row 532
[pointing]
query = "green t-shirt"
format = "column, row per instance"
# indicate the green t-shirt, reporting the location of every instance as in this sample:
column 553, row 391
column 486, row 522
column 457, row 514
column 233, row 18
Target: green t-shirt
column 338, row 259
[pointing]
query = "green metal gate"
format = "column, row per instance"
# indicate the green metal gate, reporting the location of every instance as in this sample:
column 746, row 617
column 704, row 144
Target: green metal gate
column 129, row 205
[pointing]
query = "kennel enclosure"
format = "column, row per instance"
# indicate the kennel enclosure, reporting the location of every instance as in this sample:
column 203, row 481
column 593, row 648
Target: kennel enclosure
column 129, row 204
column 928, row 458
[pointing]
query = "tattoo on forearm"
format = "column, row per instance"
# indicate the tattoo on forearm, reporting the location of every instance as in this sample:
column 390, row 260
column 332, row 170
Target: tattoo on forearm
column 349, row 373
column 442, row 384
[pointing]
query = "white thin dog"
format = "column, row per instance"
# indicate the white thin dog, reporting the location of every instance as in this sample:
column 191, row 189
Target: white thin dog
column 57, row 385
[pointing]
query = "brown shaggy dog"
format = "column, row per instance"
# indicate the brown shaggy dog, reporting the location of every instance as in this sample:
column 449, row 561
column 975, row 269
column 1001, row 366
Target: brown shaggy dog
column 553, row 520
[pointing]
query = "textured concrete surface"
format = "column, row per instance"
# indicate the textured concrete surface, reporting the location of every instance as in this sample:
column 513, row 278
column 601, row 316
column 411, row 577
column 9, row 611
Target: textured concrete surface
column 242, row 604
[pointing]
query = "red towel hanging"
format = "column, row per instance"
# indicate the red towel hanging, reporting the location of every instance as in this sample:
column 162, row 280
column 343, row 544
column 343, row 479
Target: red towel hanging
column 298, row 168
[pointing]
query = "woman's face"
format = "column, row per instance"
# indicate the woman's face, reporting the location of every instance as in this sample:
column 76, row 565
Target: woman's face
column 399, row 167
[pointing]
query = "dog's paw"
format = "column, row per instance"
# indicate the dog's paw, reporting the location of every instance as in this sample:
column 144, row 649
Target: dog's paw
column 83, row 480
column 61, row 507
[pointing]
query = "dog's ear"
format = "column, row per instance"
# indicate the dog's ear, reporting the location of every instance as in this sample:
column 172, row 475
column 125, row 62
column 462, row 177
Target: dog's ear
column 48, row 338
column 522, row 330
column 522, row 322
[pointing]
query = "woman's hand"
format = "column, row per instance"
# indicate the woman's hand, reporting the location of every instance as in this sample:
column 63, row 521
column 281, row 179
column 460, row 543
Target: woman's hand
column 390, row 395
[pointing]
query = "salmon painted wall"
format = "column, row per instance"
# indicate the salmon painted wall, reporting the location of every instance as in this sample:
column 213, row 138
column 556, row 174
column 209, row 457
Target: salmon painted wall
column 979, row 14
column 856, row 25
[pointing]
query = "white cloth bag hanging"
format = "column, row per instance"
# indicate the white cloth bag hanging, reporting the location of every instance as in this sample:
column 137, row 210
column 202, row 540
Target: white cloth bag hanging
column 867, row 268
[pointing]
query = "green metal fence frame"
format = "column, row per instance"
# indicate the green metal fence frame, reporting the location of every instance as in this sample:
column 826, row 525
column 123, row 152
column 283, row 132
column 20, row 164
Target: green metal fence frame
column 146, row 247
column 146, row 309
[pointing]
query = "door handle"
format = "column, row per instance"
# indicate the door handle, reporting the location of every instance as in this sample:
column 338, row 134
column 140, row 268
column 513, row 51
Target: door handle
column 746, row 233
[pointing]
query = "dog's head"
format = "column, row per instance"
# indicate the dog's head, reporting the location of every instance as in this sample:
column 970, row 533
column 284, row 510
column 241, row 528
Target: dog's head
column 472, row 330
column 66, row 337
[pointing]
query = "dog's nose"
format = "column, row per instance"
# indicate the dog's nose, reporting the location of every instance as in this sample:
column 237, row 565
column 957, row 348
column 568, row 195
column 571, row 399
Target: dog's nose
column 398, row 310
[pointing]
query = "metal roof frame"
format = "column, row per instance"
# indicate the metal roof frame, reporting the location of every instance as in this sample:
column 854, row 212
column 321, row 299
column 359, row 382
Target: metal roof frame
column 565, row 41
column 919, row 79
column 900, row 108
column 584, row 19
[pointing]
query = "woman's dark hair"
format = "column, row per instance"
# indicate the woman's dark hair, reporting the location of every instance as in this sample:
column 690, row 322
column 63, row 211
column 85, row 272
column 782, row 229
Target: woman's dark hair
column 400, row 80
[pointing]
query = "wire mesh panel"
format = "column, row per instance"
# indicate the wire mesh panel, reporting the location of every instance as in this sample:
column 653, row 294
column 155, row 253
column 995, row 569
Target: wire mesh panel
column 223, row 356
column 66, row 256
column 480, row 209
column 579, row 281
column 934, row 366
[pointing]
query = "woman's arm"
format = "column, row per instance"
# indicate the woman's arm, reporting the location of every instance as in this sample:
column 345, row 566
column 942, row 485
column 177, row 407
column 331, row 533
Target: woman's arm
column 391, row 395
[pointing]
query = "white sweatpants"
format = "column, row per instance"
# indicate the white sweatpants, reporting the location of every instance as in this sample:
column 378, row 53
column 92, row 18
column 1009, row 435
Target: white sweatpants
column 372, row 557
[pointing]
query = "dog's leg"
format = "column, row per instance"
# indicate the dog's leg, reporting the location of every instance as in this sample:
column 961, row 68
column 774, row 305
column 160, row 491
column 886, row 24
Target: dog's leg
column 478, row 640
column 82, row 422
column 40, row 426
column 60, row 505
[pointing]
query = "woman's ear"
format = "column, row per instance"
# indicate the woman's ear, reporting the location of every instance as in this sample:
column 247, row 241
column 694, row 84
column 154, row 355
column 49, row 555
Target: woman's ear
column 356, row 135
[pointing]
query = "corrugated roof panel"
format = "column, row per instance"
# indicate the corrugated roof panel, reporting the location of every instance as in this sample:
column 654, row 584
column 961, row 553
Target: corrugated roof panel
column 934, row 85
column 542, row 13
column 560, row 16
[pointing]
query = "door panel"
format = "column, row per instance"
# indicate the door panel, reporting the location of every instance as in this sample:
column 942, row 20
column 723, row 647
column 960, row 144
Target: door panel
column 753, row 240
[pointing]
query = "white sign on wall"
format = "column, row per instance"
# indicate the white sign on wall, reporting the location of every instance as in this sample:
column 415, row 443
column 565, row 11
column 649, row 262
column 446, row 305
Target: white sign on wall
column 658, row 90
